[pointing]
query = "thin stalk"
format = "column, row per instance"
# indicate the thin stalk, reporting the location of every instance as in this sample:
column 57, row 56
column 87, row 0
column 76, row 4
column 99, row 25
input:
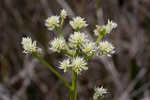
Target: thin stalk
column 74, row 85
column 99, row 38
column 59, row 29
column 69, row 53
column 71, row 95
column 101, row 35
column 59, row 32
column 62, row 23
column 52, row 70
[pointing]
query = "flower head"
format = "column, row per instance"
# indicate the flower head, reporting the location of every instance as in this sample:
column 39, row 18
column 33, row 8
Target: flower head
column 89, row 48
column 63, row 13
column 106, row 48
column 77, row 39
column 65, row 64
column 79, row 64
column 52, row 22
column 78, row 23
column 110, row 26
column 97, row 30
column 58, row 44
column 99, row 92
column 105, row 28
column 28, row 45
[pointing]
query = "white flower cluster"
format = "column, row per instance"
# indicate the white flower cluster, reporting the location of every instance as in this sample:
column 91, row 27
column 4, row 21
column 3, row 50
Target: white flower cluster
column 53, row 22
column 65, row 65
column 78, row 23
column 106, row 48
column 79, row 64
column 79, row 49
column 99, row 93
column 63, row 14
column 58, row 44
column 29, row 46
column 89, row 48
column 77, row 39
column 105, row 28
column 110, row 26
column 82, row 47
column 76, row 64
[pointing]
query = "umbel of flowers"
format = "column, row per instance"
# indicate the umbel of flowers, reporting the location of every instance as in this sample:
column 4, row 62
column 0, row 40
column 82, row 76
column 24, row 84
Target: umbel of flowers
column 78, row 50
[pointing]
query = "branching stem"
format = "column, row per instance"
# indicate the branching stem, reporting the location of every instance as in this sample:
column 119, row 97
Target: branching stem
column 52, row 70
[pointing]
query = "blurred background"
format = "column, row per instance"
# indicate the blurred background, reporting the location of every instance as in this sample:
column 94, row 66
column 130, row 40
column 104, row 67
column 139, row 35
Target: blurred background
column 126, row 75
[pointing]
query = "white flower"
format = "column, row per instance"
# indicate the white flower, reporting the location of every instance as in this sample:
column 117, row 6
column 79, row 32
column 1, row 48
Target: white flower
column 63, row 13
column 105, row 28
column 58, row 44
column 77, row 23
column 97, row 30
column 110, row 26
column 99, row 93
column 77, row 39
column 28, row 45
column 65, row 64
column 106, row 48
column 79, row 64
column 89, row 48
column 52, row 22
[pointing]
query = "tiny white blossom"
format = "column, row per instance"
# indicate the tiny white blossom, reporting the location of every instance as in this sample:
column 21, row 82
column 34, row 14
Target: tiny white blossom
column 77, row 23
column 89, row 48
column 58, row 44
column 77, row 39
column 99, row 93
column 106, row 48
column 106, row 28
column 52, row 22
column 65, row 64
column 97, row 30
column 79, row 64
column 110, row 26
column 28, row 45
column 63, row 13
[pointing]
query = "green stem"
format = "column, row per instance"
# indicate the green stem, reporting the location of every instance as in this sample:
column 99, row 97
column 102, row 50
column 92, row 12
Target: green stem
column 69, row 53
column 101, row 35
column 62, row 23
column 59, row 29
column 71, row 95
column 52, row 70
column 99, row 38
column 59, row 32
column 74, row 85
